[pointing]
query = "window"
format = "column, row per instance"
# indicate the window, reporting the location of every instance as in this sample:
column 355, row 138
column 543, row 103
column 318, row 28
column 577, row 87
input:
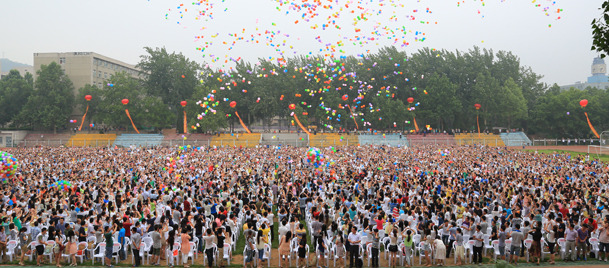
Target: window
column 99, row 74
column 105, row 75
column 93, row 73
column 94, row 61
column 106, row 64
column 64, row 71
column 62, row 60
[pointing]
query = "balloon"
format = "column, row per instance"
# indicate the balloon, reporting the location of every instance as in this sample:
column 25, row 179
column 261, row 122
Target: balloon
column 477, row 106
column 88, row 97
column 125, row 101
column 410, row 100
column 583, row 103
column 292, row 106
column 233, row 104
column 345, row 97
column 8, row 165
column 183, row 103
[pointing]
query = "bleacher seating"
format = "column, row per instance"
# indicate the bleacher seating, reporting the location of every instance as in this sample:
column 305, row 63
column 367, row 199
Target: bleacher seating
column 194, row 139
column 333, row 139
column 483, row 139
column 292, row 139
column 237, row 140
column 434, row 138
column 515, row 139
column 43, row 139
column 138, row 140
column 91, row 140
column 378, row 139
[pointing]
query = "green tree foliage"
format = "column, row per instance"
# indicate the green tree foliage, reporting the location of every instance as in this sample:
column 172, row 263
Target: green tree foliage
column 171, row 77
column 14, row 93
column 51, row 103
column 94, row 104
column 600, row 31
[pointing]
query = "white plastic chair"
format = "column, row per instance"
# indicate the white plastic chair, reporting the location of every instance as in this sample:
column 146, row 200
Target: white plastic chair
column 50, row 253
column 11, row 246
column 101, row 254
column 561, row 242
column 82, row 253
column 267, row 254
column 594, row 247
column 306, row 255
column 227, row 253
column 469, row 247
column 495, row 245
column 385, row 243
column 32, row 247
column 173, row 256
column 116, row 247
column 487, row 244
column 191, row 253
column 334, row 252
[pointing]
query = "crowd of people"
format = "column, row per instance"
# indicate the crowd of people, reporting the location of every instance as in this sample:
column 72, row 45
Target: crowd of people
column 362, row 201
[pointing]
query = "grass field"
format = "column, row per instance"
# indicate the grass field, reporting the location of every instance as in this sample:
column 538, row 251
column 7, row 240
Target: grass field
column 602, row 157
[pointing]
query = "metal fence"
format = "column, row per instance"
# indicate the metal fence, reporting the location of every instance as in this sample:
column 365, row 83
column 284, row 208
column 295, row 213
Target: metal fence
column 305, row 142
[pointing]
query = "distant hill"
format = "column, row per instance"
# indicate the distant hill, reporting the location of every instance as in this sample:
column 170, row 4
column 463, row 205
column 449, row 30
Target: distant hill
column 7, row 65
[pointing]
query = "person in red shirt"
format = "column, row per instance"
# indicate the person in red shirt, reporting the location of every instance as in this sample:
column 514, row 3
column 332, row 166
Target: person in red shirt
column 127, row 222
column 592, row 223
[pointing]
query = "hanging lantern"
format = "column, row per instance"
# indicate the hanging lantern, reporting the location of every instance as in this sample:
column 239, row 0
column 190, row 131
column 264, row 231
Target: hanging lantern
column 477, row 106
column 88, row 97
column 183, row 103
column 410, row 100
column 583, row 103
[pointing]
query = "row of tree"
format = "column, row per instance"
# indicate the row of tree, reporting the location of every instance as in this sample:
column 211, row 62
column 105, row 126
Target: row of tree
column 368, row 91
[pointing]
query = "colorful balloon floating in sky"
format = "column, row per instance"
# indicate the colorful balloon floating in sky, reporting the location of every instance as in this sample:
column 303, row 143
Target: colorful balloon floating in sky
column 8, row 165
column 583, row 103
column 292, row 106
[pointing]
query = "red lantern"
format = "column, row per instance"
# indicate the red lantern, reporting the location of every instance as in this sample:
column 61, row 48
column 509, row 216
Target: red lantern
column 88, row 97
column 125, row 101
column 233, row 104
column 345, row 97
column 183, row 103
column 305, row 113
column 292, row 106
column 477, row 106
column 583, row 103
column 410, row 100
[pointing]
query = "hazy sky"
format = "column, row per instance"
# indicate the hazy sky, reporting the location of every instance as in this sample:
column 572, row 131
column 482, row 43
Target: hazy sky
column 121, row 28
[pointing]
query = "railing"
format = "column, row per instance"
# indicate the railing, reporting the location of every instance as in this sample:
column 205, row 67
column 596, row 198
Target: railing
column 305, row 143
column 566, row 142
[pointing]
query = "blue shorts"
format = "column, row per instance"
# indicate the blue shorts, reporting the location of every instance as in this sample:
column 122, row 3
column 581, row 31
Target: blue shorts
column 603, row 247
column 109, row 252
column 515, row 251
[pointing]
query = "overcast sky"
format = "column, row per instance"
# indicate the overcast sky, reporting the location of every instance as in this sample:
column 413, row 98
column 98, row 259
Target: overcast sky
column 121, row 28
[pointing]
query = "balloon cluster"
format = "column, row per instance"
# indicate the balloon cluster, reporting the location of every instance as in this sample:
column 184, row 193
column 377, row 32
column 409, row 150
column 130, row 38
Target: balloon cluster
column 444, row 153
column 315, row 157
column 63, row 185
column 73, row 121
column 8, row 165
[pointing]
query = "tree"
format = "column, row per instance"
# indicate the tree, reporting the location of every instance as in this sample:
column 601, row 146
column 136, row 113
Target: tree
column 209, row 121
column 95, row 104
column 512, row 103
column 121, row 86
column 171, row 77
column 14, row 93
column 600, row 31
column 52, row 102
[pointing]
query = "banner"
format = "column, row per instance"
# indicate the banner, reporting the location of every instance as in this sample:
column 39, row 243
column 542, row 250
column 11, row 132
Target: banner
column 415, row 124
column 591, row 127
column 477, row 122
column 241, row 121
column 185, row 126
column 356, row 126
column 83, row 118
column 127, row 111
column 301, row 126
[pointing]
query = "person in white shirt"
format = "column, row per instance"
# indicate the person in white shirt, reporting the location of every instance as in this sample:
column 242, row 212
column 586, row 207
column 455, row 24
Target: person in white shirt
column 354, row 241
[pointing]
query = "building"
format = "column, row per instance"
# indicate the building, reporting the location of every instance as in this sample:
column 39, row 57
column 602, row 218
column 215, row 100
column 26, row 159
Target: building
column 85, row 67
column 22, row 70
column 598, row 79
